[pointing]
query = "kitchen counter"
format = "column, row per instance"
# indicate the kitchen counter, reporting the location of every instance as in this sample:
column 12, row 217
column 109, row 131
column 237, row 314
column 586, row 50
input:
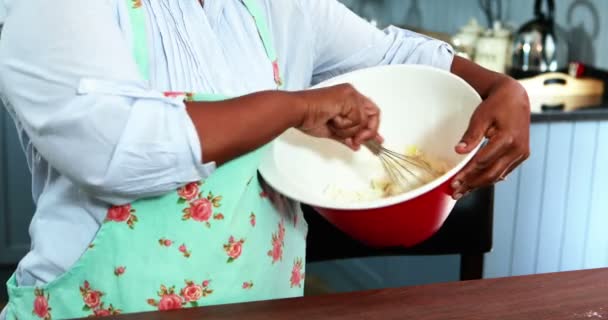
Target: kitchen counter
column 595, row 112
column 555, row 296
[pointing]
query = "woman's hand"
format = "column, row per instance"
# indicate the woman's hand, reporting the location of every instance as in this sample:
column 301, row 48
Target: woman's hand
column 504, row 119
column 341, row 113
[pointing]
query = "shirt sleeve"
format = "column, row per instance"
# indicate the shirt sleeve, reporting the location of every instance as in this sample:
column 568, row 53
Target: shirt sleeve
column 69, row 79
column 345, row 42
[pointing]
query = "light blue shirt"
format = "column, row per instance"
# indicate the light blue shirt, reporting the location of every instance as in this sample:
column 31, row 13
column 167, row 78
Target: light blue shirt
column 95, row 134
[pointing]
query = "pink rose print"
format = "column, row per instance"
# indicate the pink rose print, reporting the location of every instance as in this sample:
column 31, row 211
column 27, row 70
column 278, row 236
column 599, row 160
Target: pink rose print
column 184, row 250
column 165, row 242
column 233, row 249
column 252, row 219
column 277, row 73
column 92, row 301
column 247, row 285
column 168, row 299
column 188, row 192
column 122, row 213
column 91, row 298
column 101, row 313
column 190, row 294
column 173, row 94
column 170, row 302
column 276, row 253
column 41, row 305
column 119, row 213
column 297, row 276
column 278, row 242
column 136, row 4
column 281, row 232
column 201, row 209
column 119, row 271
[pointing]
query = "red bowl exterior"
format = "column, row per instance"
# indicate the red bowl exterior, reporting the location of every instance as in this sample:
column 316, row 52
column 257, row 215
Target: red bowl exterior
column 403, row 224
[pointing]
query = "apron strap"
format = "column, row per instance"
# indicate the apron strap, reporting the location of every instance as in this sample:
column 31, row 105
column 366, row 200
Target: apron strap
column 265, row 36
column 140, row 40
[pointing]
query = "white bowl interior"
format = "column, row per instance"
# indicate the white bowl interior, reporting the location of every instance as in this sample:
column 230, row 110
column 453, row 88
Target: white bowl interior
column 421, row 106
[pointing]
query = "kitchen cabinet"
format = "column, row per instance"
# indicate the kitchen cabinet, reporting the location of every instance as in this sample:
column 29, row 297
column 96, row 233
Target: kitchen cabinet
column 551, row 215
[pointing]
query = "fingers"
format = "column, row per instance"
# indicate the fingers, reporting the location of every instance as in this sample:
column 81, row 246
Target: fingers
column 473, row 177
column 370, row 131
column 360, row 123
column 348, row 142
column 479, row 124
column 513, row 166
column 480, row 172
column 350, row 124
column 341, row 123
column 347, row 133
column 497, row 147
column 503, row 118
column 343, row 114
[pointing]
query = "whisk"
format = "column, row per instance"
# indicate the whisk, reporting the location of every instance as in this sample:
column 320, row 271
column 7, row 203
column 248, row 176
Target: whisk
column 401, row 168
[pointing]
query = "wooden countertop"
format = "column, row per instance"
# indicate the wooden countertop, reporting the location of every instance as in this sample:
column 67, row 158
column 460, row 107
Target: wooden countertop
column 567, row 295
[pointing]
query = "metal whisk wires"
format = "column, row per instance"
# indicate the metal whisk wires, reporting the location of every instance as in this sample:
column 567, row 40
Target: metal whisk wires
column 401, row 168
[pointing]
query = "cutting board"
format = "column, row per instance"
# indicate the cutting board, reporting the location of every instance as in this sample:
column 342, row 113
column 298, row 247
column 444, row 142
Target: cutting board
column 560, row 91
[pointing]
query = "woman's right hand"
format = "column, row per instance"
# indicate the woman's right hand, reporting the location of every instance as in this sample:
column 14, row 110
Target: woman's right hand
column 231, row 128
column 341, row 113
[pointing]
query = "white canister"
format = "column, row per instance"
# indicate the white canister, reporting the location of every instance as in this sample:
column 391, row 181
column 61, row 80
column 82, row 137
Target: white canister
column 465, row 40
column 492, row 49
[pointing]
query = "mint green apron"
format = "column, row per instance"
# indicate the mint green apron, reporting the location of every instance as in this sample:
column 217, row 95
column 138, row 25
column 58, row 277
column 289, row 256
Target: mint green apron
column 227, row 239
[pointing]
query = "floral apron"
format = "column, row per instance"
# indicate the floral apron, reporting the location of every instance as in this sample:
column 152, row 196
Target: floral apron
column 227, row 239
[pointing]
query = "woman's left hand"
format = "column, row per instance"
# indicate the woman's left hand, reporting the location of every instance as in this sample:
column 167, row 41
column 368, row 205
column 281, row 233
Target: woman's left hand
column 504, row 119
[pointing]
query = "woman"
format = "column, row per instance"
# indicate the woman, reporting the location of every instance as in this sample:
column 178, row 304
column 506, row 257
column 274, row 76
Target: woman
column 143, row 122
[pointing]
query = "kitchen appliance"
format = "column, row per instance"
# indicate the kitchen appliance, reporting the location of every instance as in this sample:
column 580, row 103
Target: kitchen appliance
column 421, row 106
column 538, row 46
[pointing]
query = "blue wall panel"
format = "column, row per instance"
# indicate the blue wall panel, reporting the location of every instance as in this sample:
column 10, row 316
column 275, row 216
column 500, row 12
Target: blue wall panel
column 557, row 168
column 527, row 214
column 579, row 195
column 596, row 241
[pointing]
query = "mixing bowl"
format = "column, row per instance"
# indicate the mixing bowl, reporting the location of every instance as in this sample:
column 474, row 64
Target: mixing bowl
column 421, row 106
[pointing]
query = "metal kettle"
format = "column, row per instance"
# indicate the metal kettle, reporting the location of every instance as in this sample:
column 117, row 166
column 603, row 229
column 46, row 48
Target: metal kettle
column 538, row 47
